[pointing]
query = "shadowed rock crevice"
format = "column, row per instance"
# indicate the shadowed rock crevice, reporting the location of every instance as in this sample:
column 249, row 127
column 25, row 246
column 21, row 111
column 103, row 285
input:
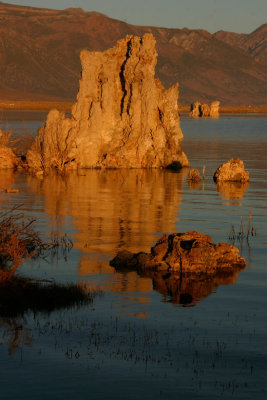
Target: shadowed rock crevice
column 123, row 116
column 122, row 78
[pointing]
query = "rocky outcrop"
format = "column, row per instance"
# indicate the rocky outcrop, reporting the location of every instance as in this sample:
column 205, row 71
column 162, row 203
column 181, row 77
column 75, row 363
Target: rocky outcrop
column 195, row 109
column 214, row 109
column 231, row 171
column 194, row 175
column 204, row 110
column 8, row 159
column 123, row 117
column 186, row 253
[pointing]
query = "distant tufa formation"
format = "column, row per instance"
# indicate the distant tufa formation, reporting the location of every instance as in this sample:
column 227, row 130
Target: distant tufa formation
column 123, row 117
column 204, row 110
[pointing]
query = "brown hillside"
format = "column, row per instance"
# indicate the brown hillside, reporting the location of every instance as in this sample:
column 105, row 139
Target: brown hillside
column 254, row 44
column 39, row 57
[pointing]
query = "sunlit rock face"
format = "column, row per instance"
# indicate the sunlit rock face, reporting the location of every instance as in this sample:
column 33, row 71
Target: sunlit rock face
column 214, row 109
column 123, row 117
column 187, row 253
column 231, row 171
column 195, row 109
column 8, row 159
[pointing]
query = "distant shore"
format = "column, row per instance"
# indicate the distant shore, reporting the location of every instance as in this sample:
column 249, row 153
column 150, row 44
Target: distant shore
column 21, row 105
column 66, row 106
column 232, row 109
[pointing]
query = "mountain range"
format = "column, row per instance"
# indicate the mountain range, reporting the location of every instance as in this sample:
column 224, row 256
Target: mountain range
column 39, row 56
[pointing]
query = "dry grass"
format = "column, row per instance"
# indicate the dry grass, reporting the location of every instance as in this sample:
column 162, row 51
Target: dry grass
column 241, row 234
column 19, row 242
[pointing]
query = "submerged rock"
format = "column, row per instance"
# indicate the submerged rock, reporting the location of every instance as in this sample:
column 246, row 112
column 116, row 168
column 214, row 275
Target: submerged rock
column 123, row 117
column 231, row 171
column 186, row 253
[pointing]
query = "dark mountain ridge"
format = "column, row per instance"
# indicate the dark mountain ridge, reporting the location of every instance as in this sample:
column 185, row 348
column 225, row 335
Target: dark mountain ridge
column 39, row 56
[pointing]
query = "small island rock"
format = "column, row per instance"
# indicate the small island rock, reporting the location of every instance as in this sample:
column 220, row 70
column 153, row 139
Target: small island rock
column 231, row 171
column 187, row 253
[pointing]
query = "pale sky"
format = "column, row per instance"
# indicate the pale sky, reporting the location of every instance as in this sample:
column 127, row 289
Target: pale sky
column 212, row 15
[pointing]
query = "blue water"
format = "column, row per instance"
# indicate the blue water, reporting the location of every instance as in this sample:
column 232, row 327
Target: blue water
column 136, row 340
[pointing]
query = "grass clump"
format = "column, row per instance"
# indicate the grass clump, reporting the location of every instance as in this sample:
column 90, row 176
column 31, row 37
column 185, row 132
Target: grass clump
column 242, row 233
column 18, row 243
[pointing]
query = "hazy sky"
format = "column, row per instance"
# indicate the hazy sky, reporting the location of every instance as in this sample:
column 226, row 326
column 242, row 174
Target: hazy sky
column 212, row 15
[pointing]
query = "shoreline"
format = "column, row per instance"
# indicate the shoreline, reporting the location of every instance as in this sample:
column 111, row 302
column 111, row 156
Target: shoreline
column 232, row 109
column 19, row 105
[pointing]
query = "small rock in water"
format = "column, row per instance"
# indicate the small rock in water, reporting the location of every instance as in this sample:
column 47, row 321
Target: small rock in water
column 187, row 253
column 194, row 175
column 232, row 171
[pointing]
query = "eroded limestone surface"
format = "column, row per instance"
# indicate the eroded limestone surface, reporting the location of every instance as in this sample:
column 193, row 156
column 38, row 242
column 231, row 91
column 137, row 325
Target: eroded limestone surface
column 123, row 116
column 186, row 253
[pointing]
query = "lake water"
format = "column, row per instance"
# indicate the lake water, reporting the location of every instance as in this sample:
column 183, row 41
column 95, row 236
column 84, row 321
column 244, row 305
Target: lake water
column 140, row 339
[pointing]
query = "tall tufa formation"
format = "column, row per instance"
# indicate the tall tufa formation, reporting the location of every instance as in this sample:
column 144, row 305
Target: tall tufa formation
column 123, row 116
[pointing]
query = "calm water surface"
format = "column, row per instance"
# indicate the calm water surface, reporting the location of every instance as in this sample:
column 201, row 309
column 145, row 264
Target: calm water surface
column 141, row 338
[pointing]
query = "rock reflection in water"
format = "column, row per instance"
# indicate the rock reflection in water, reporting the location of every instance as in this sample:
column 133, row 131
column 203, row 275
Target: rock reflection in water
column 112, row 209
column 7, row 178
column 14, row 334
column 187, row 289
column 232, row 191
